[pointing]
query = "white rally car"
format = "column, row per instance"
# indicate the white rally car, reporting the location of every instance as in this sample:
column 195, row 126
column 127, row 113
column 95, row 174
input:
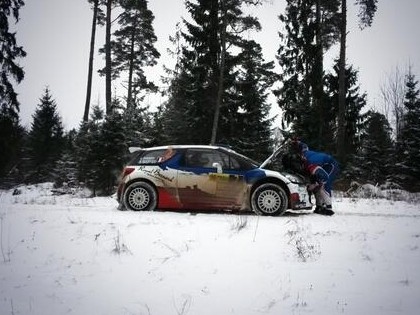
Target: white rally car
column 200, row 177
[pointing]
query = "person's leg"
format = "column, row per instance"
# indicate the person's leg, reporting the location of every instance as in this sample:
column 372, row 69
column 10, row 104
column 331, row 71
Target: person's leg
column 327, row 207
column 332, row 171
column 323, row 202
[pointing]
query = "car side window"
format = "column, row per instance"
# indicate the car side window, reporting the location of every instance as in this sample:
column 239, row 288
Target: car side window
column 150, row 157
column 228, row 162
column 234, row 164
column 206, row 158
column 198, row 158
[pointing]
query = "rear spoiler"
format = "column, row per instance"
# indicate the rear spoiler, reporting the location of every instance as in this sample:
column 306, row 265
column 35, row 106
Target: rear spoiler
column 134, row 149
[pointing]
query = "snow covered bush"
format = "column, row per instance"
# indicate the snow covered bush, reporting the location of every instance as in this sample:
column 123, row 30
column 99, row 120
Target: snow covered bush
column 390, row 191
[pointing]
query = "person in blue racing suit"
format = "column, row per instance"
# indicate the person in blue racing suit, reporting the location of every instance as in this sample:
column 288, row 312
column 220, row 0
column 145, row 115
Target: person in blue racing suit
column 323, row 170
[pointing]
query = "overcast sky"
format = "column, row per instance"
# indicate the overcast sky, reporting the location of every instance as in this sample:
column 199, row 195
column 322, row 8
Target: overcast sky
column 56, row 36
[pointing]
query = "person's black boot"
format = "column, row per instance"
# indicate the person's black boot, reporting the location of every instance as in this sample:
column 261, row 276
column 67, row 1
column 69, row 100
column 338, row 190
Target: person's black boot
column 318, row 210
column 324, row 210
column 328, row 210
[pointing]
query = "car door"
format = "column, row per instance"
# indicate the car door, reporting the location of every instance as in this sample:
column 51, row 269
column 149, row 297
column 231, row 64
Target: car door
column 159, row 167
column 203, row 185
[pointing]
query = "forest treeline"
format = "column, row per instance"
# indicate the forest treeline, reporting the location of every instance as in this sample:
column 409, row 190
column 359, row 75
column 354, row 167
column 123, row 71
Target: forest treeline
column 217, row 92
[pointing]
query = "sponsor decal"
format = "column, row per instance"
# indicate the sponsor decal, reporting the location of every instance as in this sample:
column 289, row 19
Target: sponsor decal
column 157, row 174
column 214, row 176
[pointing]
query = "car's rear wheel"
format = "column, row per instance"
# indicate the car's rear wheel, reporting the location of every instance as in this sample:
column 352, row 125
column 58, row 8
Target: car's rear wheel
column 269, row 199
column 140, row 196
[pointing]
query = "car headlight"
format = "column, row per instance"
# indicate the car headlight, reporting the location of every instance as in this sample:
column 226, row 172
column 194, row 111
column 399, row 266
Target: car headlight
column 295, row 179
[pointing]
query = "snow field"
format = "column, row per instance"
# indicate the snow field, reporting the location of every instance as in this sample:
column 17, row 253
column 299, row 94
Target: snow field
column 75, row 255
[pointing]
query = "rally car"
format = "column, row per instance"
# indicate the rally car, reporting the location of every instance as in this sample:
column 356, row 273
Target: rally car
column 201, row 177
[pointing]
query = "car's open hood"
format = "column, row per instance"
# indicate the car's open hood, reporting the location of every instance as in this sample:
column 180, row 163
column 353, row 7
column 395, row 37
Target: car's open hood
column 276, row 154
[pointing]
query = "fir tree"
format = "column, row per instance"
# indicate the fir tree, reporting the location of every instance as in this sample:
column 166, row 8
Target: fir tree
column 355, row 101
column 409, row 142
column 178, row 114
column 176, row 129
column 180, row 82
column 9, row 52
column 111, row 153
column 10, row 131
column 138, row 124
column 66, row 167
column 310, row 30
column 86, row 147
column 157, row 131
column 45, row 140
column 373, row 162
column 66, row 171
column 212, row 57
column 366, row 13
column 101, row 150
column 11, row 142
column 248, row 126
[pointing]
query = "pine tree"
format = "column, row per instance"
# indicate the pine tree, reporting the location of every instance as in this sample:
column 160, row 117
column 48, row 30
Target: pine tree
column 367, row 10
column 133, row 48
column 98, row 17
column 10, row 131
column 108, row 5
column 45, row 139
column 409, row 141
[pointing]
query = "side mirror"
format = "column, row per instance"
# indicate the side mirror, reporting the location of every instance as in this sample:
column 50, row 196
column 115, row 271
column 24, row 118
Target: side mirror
column 218, row 166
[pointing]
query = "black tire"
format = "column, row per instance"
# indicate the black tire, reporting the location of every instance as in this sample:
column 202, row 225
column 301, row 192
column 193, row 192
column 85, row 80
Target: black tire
column 140, row 196
column 269, row 199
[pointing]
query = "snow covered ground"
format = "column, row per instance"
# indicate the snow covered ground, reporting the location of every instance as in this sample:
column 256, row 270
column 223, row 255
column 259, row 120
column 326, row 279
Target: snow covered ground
column 74, row 255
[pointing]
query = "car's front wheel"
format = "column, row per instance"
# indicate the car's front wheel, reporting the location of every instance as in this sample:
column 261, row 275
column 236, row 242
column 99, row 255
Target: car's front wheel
column 269, row 199
column 140, row 196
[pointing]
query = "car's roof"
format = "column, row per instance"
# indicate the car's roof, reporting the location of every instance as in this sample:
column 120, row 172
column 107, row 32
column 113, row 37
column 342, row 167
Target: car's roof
column 185, row 146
